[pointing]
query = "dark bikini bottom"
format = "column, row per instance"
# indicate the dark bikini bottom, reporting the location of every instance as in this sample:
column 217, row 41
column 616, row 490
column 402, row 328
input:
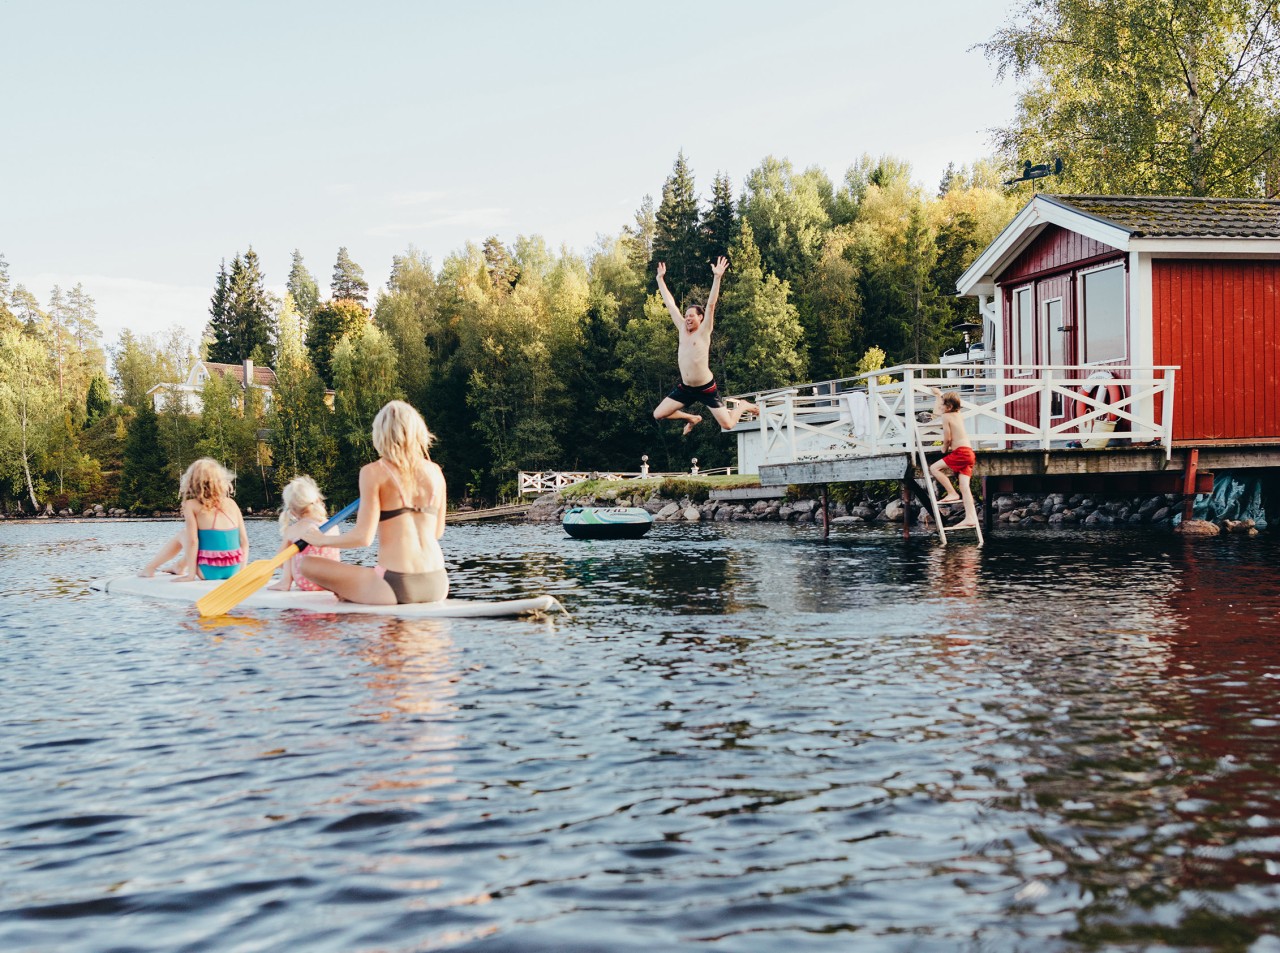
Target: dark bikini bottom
column 416, row 586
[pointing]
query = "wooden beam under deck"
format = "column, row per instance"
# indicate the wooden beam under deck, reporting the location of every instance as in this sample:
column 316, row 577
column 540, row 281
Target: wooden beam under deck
column 892, row 466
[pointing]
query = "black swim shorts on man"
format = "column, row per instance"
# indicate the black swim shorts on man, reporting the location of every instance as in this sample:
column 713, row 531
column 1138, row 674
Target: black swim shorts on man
column 708, row 393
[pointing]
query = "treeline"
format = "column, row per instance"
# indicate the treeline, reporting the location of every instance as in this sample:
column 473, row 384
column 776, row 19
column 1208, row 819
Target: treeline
column 519, row 356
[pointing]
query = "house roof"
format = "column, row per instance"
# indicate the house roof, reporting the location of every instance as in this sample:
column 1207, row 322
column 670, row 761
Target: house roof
column 262, row 376
column 1166, row 216
column 1156, row 223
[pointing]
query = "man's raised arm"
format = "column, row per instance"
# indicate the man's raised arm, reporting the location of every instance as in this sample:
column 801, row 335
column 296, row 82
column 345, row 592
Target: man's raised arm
column 718, row 269
column 667, row 299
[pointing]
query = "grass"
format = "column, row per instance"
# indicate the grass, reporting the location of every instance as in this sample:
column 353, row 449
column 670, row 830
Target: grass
column 694, row 487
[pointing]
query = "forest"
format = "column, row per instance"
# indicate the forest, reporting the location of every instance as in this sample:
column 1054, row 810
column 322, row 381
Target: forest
column 523, row 356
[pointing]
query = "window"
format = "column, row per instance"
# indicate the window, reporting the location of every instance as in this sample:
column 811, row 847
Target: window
column 1024, row 329
column 1102, row 292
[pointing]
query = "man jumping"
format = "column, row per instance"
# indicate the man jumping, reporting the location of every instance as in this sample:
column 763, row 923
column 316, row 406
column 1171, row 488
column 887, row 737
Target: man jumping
column 694, row 357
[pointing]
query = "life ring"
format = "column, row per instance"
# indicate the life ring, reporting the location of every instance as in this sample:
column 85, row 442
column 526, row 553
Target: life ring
column 1103, row 387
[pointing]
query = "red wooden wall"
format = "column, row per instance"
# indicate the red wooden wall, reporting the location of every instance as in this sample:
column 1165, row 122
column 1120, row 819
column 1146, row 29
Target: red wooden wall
column 1220, row 320
column 1055, row 247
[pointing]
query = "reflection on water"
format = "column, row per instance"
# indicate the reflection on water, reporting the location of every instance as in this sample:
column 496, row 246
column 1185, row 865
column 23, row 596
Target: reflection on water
column 740, row 738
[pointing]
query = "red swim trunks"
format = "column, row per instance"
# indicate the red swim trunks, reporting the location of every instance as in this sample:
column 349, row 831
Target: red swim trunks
column 961, row 460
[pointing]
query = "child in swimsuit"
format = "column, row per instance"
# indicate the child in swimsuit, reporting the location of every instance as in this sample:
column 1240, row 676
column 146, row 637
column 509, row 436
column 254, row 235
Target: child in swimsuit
column 303, row 509
column 958, row 457
column 212, row 543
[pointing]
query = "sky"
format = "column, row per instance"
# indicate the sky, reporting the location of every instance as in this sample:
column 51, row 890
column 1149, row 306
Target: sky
column 145, row 142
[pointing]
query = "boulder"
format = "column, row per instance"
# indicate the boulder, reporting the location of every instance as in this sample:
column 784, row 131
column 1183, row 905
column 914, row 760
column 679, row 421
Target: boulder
column 847, row 520
column 669, row 511
column 1197, row 528
column 692, row 514
column 893, row 512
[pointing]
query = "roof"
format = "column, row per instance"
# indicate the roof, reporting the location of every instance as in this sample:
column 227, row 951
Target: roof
column 1159, row 224
column 262, row 376
column 1181, row 216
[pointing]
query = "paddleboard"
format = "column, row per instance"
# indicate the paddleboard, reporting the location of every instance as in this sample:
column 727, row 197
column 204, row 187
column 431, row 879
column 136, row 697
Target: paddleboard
column 163, row 588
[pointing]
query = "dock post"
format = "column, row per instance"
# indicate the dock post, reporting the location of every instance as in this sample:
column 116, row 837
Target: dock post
column 826, row 514
column 906, row 507
column 1189, row 484
column 988, row 514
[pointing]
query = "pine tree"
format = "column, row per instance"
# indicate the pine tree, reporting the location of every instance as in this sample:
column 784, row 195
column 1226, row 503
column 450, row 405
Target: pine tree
column 348, row 280
column 503, row 272
column 678, row 239
column 302, row 286
column 97, row 402
column 145, row 484
column 721, row 223
column 332, row 321
column 222, row 346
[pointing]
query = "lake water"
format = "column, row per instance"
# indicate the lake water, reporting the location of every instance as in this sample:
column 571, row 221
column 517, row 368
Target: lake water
column 741, row 738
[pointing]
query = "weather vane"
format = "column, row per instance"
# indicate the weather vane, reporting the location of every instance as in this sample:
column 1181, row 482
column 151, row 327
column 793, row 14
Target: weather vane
column 1030, row 172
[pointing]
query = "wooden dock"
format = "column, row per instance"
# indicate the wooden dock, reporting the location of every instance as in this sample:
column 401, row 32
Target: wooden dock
column 492, row 513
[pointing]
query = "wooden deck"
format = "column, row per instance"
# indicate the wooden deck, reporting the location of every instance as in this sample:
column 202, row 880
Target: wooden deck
column 493, row 513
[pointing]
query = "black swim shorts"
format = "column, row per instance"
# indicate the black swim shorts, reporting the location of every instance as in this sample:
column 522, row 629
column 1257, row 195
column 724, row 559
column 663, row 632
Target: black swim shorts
column 708, row 393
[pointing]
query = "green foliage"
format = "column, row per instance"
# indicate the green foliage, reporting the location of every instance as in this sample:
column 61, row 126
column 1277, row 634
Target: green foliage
column 240, row 314
column 97, row 401
column 332, row 321
column 302, row 288
column 145, row 484
column 348, row 280
column 28, row 408
column 302, row 427
column 364, row 369
column 1166, row 97
column 678, row 238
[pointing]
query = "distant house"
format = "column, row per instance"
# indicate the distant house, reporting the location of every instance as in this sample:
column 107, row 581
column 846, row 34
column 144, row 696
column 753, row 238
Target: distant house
column 244, row 374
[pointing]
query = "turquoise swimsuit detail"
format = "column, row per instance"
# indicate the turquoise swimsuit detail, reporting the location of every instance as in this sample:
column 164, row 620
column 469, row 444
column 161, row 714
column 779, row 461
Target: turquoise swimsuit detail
column 219, row 555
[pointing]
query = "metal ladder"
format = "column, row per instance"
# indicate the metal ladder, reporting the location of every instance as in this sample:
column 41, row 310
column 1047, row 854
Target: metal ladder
column 933, row 495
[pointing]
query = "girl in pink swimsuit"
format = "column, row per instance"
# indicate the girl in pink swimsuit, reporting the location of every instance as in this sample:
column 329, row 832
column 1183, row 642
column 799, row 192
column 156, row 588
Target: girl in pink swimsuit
column 303, row 509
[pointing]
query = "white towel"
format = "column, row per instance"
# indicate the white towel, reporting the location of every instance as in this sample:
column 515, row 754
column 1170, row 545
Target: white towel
column 859, row 414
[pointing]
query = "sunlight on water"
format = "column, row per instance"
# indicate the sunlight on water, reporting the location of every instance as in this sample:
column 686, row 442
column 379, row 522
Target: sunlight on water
column 738, row 738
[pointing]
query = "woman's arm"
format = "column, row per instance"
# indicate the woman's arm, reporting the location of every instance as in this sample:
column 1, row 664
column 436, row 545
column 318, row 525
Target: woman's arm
column 438, row 488
column 366, row 527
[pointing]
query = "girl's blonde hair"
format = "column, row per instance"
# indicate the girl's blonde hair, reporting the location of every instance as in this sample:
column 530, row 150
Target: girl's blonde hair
column 401, row 437
column 206, row 481
column 302, row 500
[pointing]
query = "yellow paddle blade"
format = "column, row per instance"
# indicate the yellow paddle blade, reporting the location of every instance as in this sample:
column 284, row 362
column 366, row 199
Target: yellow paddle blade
column 243, row 584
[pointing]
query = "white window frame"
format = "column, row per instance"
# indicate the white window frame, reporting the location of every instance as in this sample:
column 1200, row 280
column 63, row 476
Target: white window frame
column 1023, row 368
column 1083, row 314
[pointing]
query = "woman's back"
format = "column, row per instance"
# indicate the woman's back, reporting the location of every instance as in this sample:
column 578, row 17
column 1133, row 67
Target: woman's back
column 411, row 518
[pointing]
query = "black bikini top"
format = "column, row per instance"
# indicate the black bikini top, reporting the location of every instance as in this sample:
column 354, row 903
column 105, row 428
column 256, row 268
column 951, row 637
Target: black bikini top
column 432, row 510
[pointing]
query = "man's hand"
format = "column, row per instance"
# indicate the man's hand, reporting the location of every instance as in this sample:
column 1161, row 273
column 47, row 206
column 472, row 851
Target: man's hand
column 719, row 268
column 662, row 270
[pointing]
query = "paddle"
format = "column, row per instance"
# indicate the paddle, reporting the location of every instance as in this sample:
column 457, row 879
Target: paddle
column 258, row 573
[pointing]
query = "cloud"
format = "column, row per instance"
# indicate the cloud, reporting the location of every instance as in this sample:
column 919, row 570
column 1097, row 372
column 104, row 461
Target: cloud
column 417, row 198
column 487, row 218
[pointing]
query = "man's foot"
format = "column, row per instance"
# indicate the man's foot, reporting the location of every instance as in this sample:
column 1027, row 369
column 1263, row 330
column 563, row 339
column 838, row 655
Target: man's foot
column 964, row 525
column 691, row 424
column 950, row 499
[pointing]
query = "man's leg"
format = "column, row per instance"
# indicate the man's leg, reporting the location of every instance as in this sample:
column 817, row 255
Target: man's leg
column 970, row 511
column 938, row 469
column 728, row 418
column 672, row 409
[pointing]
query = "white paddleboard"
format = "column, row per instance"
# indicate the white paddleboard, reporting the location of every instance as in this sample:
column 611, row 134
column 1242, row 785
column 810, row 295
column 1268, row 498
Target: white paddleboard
column 163, row 587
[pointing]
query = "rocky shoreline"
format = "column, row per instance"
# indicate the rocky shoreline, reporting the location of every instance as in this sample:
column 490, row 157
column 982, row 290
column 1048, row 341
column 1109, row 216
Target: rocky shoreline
column 1091, row 511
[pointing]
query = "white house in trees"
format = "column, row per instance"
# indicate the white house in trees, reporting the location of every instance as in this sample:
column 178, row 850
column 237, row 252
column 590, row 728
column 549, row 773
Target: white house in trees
column 244, row 374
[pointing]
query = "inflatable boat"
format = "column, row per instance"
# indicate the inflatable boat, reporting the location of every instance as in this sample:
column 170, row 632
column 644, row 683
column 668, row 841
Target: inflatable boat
column 607, row 522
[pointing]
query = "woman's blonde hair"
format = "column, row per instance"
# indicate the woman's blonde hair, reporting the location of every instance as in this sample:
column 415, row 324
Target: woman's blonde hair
column 302, row 500
column 401, row 437
column 206, row 481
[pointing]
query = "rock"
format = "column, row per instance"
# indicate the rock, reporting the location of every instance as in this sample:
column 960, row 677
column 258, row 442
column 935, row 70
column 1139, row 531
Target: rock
column 893, row 512
column 862, row 512
column 1004, row 504
column 669, row 511
column 1197, row 528
column 1056, row 519
column 847, row 520
column 786, row 512
column 1160, row 515
column 760, row 506
column 692, row 514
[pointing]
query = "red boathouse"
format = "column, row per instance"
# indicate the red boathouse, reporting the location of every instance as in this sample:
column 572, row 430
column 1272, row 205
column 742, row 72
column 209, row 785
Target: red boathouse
column 1194, row 283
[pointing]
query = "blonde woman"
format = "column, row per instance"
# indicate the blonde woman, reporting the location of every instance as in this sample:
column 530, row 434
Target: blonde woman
column 303, row 509
column 402, row 497
column 208, row 550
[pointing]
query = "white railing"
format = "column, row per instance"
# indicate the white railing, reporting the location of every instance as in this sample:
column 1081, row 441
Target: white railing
column 550, row 481
column 1004, row 406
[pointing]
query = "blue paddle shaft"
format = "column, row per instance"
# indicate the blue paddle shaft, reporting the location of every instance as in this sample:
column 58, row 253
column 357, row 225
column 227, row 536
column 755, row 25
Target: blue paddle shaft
column 333, row 520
